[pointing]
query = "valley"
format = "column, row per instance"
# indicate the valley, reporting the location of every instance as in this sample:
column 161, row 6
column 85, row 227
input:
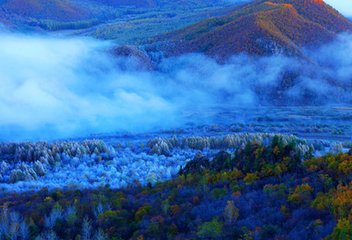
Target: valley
column 185, row 119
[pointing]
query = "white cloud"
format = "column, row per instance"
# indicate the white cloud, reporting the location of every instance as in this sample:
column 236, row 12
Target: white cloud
column 64, row 87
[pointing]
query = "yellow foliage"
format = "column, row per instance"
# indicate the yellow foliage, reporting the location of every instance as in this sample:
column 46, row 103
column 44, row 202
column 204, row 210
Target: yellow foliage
column 250, row 178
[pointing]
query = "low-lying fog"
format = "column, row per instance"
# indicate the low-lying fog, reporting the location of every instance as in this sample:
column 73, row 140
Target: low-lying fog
column 68, row 87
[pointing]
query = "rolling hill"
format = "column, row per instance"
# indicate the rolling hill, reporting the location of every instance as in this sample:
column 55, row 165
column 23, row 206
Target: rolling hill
column 260, row 28
column 110, row 19
column 59, row 10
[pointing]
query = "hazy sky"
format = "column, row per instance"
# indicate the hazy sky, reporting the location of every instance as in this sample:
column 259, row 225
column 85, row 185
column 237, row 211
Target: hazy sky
column 344, row 6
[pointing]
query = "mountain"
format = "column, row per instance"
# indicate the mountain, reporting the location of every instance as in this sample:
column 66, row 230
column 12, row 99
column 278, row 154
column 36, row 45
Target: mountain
column 259, row 28
column 58, row 10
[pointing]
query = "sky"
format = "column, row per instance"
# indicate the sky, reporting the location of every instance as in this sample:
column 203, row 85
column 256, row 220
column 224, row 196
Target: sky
column 344, row 6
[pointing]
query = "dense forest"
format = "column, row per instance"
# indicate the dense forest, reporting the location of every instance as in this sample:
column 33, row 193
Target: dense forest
column 261, row 191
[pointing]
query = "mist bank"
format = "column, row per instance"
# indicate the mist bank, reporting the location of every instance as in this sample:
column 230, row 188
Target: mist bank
column 68, row 87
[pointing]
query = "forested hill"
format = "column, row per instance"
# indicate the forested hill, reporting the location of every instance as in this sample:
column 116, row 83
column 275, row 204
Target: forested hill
column 260, row 28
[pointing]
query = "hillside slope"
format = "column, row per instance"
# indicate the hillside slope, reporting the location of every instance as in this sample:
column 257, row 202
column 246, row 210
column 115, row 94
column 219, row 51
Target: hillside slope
column 59, row 10
column 260, row 28
column 135, row 3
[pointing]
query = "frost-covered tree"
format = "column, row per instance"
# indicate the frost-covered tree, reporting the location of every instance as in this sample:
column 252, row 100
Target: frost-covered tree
column 48, row 235
column 14, row 227
column 100, row 235
column 70, row 215
column 99, row 209
column 24, row 230
column 86, row 229
column 54, row 216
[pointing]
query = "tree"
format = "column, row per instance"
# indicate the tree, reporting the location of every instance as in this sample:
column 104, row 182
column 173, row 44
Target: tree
column 100, row 235
column 86, row 229
column 24, row 230
column 141, row 212
column 343, row 230
column 54, row 216
column 211, row 229
column 231, row 213
column 301, row 194
column 250, row 178
column 48, row 235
